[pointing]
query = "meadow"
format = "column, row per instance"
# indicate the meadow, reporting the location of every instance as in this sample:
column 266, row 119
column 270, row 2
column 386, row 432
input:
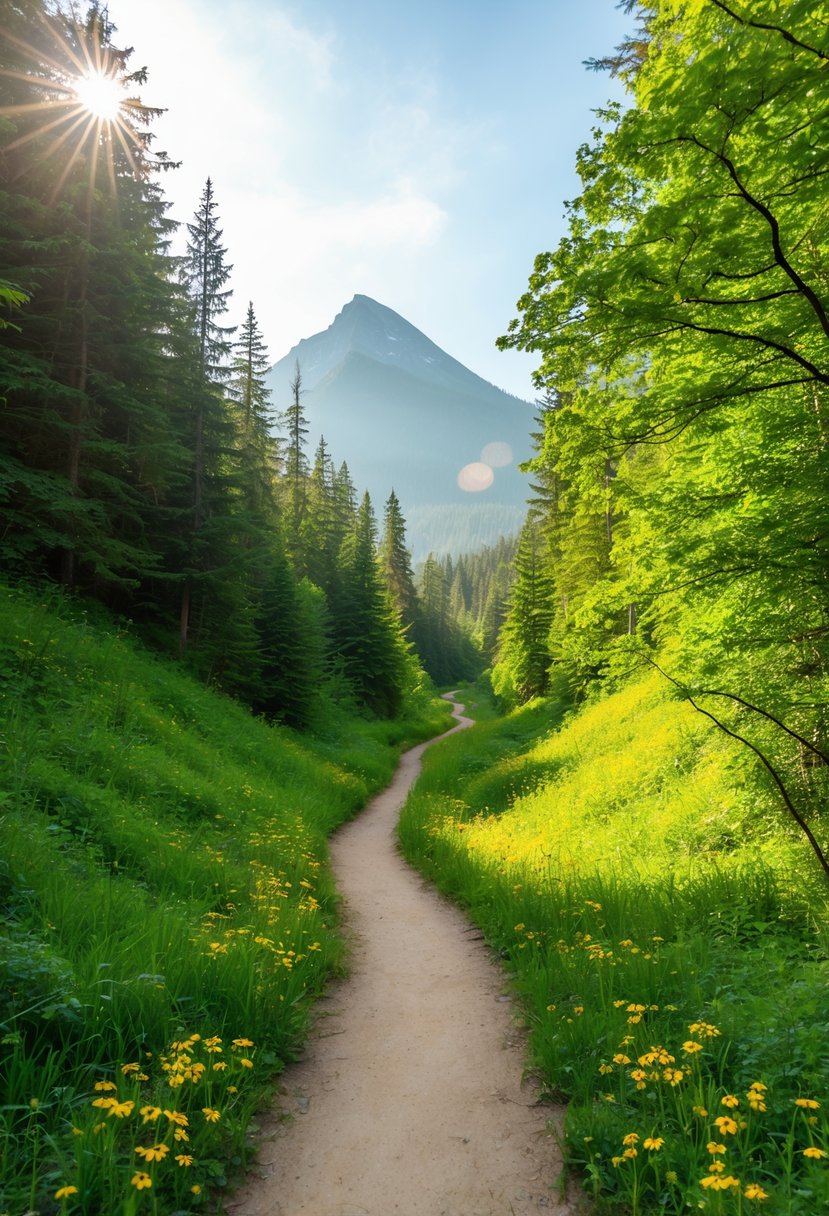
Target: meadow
column 666, row 933
column 168, row 910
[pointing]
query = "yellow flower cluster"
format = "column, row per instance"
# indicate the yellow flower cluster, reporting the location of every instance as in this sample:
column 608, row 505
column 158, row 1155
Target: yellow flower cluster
column 180, row 1067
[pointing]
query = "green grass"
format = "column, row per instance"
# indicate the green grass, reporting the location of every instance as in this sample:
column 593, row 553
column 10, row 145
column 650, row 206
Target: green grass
column 667, row 933
column 164, row 880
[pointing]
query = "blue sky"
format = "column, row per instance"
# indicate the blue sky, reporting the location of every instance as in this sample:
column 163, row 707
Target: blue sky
column 417, row 154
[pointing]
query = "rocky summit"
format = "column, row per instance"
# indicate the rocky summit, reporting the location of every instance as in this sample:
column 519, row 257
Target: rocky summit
column 406, row 416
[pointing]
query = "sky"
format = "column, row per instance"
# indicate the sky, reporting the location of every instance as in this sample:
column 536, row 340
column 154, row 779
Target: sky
column 419, row 154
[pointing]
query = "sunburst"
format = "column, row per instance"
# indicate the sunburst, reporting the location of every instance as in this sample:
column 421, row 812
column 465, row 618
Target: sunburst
column 80, row 106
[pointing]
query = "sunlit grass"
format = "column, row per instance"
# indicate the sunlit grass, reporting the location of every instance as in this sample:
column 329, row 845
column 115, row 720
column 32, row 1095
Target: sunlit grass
column 163, row 876
column 639, row 880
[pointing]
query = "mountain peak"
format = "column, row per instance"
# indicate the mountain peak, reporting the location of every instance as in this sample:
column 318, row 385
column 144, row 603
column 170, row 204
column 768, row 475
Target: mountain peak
column 403, row 413
column 366, row 327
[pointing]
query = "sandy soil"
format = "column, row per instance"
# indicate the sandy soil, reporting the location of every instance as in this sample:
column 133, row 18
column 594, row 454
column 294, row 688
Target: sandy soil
column 410, row 1100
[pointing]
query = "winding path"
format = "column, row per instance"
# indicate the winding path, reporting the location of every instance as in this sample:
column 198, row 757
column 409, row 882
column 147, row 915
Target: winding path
column 409, row 1101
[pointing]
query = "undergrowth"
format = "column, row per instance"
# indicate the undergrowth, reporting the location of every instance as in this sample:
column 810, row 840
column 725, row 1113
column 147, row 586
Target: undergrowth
column 667, row 933
column 168, row 914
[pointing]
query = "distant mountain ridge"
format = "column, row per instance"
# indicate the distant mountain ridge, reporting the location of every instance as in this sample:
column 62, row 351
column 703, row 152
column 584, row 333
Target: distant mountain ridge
column 405, row 415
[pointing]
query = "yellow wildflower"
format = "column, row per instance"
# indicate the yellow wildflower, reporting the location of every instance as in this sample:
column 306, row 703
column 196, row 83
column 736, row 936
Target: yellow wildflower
column 753, row 1191
column 814, row 1152
column 730, row 1100
column 653, row 1143
column 141, row 1180
column 689, row 1047
column 631, row 1138
column 714, row 1147
column 212, row 1116
column 64, row 1192
column 727, row 1125
column 155, row 1152
column 105, row 1086
column 184, row 1159
column 806, row 1103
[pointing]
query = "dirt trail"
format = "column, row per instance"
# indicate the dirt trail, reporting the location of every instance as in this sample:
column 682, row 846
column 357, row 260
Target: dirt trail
column 409, row 1100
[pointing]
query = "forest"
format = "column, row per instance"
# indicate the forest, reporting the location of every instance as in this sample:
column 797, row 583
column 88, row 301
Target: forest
column 638, row 823
column 143, row 462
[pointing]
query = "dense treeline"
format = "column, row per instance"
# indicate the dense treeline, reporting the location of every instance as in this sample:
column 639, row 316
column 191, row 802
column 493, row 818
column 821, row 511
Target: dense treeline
column 139, row 457
column 682, row 326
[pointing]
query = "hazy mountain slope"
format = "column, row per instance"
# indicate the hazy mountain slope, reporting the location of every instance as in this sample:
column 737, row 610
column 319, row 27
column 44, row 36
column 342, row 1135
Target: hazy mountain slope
column 407, row 416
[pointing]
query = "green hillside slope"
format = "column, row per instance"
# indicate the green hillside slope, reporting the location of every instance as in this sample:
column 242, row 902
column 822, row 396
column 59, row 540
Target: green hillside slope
column 667, row 931
column 167, row 910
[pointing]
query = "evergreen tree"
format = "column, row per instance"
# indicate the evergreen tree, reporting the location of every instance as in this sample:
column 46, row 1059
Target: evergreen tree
column 522, row 671
column 396, row 564
column 87, row 452
column 296, row 471
column 258, row 449
column 322, row 534
column 367, row 637
column 292, row 622
column 205, row 273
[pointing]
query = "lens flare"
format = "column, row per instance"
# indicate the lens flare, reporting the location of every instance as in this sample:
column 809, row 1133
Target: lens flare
column 498, row 454
column 475, row 477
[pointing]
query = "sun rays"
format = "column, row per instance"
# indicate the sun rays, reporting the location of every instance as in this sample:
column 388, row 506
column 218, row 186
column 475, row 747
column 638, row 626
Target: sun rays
column 71, row 91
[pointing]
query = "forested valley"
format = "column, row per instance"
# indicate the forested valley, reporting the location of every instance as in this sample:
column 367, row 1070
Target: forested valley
column 212, row 653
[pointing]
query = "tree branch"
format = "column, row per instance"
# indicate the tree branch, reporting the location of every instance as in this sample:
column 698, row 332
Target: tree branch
column 778, row 780
column 776, row 29
column 774, row 227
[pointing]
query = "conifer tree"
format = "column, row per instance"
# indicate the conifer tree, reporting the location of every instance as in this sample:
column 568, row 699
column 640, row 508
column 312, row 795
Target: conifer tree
column 296, row 471
column 522, row 671
column 366, row 634
column 205, row 274
column 87, row 453
column 396, row 564
column 258, row 448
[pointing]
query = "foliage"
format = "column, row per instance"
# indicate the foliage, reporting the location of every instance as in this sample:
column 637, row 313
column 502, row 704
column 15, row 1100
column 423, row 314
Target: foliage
column 666, row 932
column 138, row 463
column 681, row 327
column 163, row 876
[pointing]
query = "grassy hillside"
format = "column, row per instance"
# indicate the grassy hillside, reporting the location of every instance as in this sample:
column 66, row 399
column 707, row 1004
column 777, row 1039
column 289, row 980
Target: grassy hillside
column 667, row 932
column 167, row 911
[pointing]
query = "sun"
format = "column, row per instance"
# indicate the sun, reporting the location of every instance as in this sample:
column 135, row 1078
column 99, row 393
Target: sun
column 100, row 95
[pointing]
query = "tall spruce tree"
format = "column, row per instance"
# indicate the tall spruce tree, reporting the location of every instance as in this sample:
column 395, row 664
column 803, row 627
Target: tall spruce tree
column 87, row 451
column 522, row 671
column 396, row 564
column 205, row 274
column 296, row 471
column 366, row 633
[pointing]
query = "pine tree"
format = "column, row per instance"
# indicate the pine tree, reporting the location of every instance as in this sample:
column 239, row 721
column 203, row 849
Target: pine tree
column 396, row 564
column 322, row 534
column 522, row 671
column 258, row 448
column 205, row 273
column 296, row 471
column 366, row 635
column 87, row 452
